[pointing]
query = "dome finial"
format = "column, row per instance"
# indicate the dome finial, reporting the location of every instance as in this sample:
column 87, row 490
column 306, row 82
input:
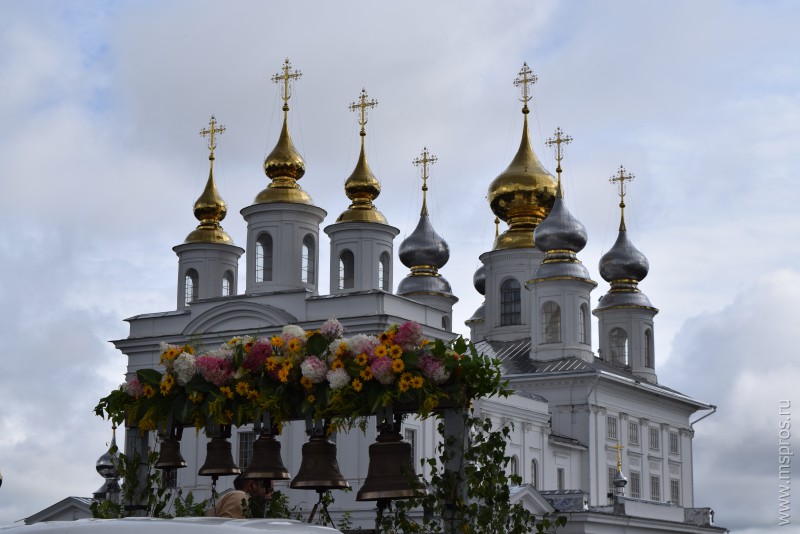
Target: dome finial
column 557, row 140
column 284, row 165
column 425, row 159
column 210, row 209
column 525, row 79
column 622, row 176
column 362, row 187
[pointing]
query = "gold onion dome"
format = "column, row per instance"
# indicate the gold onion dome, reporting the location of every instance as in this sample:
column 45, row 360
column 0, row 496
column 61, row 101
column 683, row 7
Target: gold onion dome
column 362, row 187
column 210, row 209
column 284, row 165
column 523, row 194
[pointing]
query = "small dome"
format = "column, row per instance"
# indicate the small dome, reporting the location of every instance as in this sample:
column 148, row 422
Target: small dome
column 424, row 247
column 284, row 166
column 479, row 280
column 560, row 230
column 210, row 209
column 623, row 261
column 424, row 284
column 479, row 315
column 362, row 188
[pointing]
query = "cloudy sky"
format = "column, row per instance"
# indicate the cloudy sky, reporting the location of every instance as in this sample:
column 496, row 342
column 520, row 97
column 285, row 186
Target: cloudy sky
column 101, row 161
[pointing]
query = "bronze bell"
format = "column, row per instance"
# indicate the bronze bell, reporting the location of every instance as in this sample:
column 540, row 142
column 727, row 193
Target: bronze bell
column 219, row 459
column 319, row 469
column 267, row 463
column 170, row 455
column 391, row 472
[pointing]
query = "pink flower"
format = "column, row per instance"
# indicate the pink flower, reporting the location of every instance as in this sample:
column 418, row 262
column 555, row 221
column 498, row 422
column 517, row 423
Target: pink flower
column 259, row 352
column 361, row 343
column 382, row 370
column 409, row 335
column 314, row 369
column 133, row 387
column 433, row 369
column 331, row 329
column 216, row 370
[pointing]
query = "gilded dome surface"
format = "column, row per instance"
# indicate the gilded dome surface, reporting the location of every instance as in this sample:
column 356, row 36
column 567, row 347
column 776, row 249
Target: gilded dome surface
column 284, row 166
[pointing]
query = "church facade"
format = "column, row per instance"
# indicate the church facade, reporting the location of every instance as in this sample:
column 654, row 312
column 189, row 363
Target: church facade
column 582, row 420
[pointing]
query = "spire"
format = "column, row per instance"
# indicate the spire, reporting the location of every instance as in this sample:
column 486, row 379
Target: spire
column 424, row 251
column 362, row 187
column 424, row 160
column 623, row 266
column 621, row 177
column 523, row 194
column 284, row 165
column 210, row 209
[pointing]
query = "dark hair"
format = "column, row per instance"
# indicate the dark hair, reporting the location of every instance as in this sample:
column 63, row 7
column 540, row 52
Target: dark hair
column 238, row 482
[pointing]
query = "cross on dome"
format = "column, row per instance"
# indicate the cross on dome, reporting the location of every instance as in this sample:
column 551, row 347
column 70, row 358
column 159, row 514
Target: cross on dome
column 558, row 139
column 425, row 159
column 284, row 77
column 211, row 132
column 361, row 106
column 525, row 78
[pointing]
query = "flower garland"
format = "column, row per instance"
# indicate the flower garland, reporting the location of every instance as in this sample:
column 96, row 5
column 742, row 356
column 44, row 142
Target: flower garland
column 298, row 374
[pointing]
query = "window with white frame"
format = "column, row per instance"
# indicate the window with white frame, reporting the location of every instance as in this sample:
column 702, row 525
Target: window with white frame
column 612, row 472
column 583, row 324
column 673, row 443
column 227, row 284
column 618, row 345
column 383, row 272
column 246, row 440
column 636, row 485
column 347, row 270
column 655, row 488
column 648, row 349
column 191, row 286
column 675, row 492
column 551, row 322
column 611, row 428
column 510, row 303
column 264, row 258
column 560, row 478
column 513, row 466
column 410, row 435
column 534, row 473
column 308, row 260
column 654, row 440
column 633, row 433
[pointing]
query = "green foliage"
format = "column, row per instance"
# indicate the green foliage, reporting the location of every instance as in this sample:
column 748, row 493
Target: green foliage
column 144, row 491
column 479, row 504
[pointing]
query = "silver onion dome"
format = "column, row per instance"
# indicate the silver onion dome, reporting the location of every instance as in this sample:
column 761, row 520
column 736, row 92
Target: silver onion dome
column 623, row 261
column 560, row 230
column 424, row 247
column 479, row 280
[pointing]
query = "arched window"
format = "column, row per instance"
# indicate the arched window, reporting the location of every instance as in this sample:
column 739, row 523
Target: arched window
column 227, row 284
column 307, row 266
column 618, row 345
column 383, row 272
column 446, row 323
column 510, row 303
column 551, row 322
column 513, row 466
column 583, row 324
column 191, row 286
column 346, row 270
column 264, row 258
column 648, row 349
column 534, row 473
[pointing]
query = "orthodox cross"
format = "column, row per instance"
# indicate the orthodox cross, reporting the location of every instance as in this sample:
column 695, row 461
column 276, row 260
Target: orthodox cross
column 619, row 456
column 284, row 77
column 362, row 106
column 622, row 176
column 212, row 131
column 425, row 159
column 557, row 140
column 525, row 78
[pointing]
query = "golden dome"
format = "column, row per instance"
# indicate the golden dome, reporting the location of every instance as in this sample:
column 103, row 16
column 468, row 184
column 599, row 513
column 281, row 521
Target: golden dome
column 522, row 195
column 210, row 209
column 362, row 187
column 284, row 166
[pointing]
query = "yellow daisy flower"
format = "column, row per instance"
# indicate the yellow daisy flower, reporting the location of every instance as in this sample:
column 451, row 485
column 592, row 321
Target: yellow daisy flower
column 306, row 382
column 380, row 351
column 283, row 374
column 403, row 385
column 398, row 366
column 366, row 374
column 277, row 341
column 417, row 382
column 362, row 359
column 271, row 364
column 395, row 351
column 357, row 385
column 228, row 392
column 337, row 364
column 242, row 388
column 148, row 391
column 294, row 344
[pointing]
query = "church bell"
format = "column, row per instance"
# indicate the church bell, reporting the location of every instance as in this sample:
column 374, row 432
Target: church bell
column 319, row 469
column 391, row 473
column 219, row 458
column 169, row 457
column 266, row 463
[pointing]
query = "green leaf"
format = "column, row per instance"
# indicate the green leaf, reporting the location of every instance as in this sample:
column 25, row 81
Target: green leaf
column 316, row 344
column 149, row 376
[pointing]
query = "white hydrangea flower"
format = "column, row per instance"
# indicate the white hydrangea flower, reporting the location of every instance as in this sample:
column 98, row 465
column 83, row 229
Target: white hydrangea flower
column 338, row 378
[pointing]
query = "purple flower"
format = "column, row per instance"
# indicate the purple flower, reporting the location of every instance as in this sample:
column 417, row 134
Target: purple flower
column 433, row 369
column 409, row 335
column 382, row 370
column 331, row 329
column 259, row 352
column 216, row 370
